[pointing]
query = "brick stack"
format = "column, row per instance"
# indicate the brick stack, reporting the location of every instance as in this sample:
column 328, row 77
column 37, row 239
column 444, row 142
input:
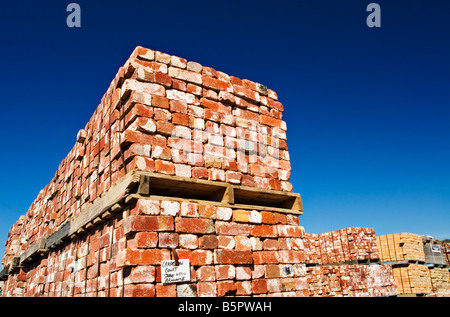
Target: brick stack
column 345, row 248
column 440, row 279
column 350, row 281
column 401, row 247
column 349, row 244
column 413, row 279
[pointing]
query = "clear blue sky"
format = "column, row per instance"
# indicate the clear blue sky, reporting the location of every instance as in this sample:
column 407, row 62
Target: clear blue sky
column 367, row 109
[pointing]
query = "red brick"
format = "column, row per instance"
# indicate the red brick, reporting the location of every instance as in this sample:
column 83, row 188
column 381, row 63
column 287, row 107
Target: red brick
column 200, row 172
column 216, row 84
column 226, row 288
column 272, row 271
column 166, row 290
column 247, row 180
column 223, row 256
column 275, row 104
column 138, row 110
column 138, row 137
column 196, row 257
column 141, row 163
column 243, row 288
column 232, row 228
column 160, row 102
column 137, row 223
column 207, row 289
column 162, row 115
column 180, row 119
column 215, row 106
column 206, row 273
column 168, row 240
column 163, row 79
column 267, row 217
column 290, row 231
column 178, row 106
column 194, row 225
column 146, row 240
column 259, row 286
column 274, row 184
column 208, row 242
column 141, row 274
column 246, row 93
column 265, row 257
column 225, row 272
column 269, row 231
column 164, row 128
column 269, row 121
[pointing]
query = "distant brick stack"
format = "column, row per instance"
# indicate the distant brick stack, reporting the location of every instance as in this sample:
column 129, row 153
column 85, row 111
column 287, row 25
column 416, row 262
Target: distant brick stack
column 350, row 281
column 401, row 247
column 349, row 244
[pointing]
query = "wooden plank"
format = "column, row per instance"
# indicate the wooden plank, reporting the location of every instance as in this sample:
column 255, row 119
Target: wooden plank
column 58, row 236
column 34, row 250
column 133, row 197
column 203, row 190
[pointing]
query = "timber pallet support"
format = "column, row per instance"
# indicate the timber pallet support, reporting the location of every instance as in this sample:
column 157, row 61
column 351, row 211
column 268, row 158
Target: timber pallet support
column 147, row 185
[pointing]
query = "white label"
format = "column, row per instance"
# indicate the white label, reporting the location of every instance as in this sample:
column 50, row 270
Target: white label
column 175, row 274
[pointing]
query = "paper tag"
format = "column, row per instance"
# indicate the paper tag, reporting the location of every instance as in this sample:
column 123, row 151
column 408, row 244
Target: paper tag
column 175, row 274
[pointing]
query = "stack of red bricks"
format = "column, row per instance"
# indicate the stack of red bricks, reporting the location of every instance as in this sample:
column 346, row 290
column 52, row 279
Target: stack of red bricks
column 164, row 114
column 351, row 281
column 353, row 243
column 231, row 252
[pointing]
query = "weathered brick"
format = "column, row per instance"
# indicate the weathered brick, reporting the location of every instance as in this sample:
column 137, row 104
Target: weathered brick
column 139, row 290
column 226, row 288
column 194, row 225
column 223, row 256
column 208, row 242
column 142, row 257
column 196, row 257
column 262, row 230
column 135, row 223
column 232, row 228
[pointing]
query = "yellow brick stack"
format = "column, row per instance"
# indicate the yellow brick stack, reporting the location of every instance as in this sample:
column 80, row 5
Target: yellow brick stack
column 400, row 247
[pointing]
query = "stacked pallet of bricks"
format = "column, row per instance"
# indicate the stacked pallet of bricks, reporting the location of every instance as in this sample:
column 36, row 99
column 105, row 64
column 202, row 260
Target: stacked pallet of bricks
column 349, row 244
column 405, row 252
column 345, row 248
column 104, row 224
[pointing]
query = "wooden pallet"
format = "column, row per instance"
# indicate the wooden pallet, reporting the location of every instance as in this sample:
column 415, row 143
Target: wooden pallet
column 161, row 187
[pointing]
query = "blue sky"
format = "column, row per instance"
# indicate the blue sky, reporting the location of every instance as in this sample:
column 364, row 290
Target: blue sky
column 367, row 109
